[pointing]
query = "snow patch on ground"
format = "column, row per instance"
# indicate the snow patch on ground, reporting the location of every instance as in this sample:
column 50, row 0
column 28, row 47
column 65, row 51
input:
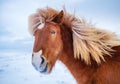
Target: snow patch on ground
column 16, row 68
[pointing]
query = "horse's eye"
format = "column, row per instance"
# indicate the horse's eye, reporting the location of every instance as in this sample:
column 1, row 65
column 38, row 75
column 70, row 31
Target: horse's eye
column 53, row 32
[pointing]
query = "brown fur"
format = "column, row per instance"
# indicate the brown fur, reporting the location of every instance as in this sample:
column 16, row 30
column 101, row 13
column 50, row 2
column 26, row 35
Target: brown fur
column 73, row 39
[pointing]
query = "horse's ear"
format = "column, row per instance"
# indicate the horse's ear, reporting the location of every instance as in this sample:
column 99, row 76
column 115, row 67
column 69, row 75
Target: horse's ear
column 59, row 18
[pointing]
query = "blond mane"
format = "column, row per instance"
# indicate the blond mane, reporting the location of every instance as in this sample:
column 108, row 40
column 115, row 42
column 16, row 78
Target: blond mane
column 88, row 42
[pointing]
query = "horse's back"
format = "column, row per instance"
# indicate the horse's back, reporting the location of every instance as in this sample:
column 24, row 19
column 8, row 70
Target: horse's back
column 109, row 71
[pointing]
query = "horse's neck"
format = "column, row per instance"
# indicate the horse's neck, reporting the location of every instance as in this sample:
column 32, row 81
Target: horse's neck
column 79, row 70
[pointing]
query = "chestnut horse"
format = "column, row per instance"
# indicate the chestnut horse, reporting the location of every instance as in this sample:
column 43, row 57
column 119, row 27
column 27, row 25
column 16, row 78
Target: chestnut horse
column 92, row 55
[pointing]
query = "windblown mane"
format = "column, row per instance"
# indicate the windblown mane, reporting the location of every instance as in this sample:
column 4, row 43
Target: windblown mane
column 88, row 42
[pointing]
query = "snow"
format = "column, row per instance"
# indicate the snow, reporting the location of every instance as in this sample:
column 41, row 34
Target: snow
column 16, row 68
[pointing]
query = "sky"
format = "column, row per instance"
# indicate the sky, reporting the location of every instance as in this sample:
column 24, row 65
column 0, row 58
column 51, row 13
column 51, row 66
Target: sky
column 14, row 35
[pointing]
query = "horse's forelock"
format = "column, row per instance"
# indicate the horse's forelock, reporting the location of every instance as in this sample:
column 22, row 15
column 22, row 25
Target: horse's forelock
column 41, row 16
column 35, row 22
column 46, row 15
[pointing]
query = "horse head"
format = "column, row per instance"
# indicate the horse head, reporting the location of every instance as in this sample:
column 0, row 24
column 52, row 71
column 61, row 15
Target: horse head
column 48, row 44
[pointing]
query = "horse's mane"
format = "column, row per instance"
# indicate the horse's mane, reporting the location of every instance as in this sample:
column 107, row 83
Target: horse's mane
column 88, row 42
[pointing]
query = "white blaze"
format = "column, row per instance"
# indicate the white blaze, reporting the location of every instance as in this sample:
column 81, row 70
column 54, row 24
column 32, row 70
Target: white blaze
column 42, row 24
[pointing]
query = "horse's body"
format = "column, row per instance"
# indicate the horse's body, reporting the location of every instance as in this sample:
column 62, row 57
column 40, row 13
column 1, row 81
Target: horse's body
column 92, row 55
column 106, row 73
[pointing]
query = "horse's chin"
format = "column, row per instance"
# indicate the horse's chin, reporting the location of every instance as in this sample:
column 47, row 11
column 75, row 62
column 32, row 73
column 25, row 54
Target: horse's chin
column 45, row 70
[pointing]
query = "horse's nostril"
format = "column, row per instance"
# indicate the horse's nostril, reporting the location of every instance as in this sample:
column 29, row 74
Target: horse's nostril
column 42, row 60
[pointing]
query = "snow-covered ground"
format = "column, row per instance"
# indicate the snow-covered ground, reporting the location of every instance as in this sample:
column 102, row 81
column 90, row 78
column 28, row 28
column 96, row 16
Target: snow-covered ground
column 16, row 68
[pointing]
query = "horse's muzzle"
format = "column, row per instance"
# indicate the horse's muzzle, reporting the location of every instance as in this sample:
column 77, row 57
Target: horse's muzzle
column 39, row 62
column 42, row 66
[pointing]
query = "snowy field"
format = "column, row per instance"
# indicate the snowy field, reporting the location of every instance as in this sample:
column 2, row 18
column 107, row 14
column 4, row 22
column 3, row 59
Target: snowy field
column 16, row 68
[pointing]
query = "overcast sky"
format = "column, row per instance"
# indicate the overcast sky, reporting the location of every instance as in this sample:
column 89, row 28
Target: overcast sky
column 14, row 14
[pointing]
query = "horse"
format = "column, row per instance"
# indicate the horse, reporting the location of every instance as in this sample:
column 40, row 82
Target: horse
column 92, row 55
